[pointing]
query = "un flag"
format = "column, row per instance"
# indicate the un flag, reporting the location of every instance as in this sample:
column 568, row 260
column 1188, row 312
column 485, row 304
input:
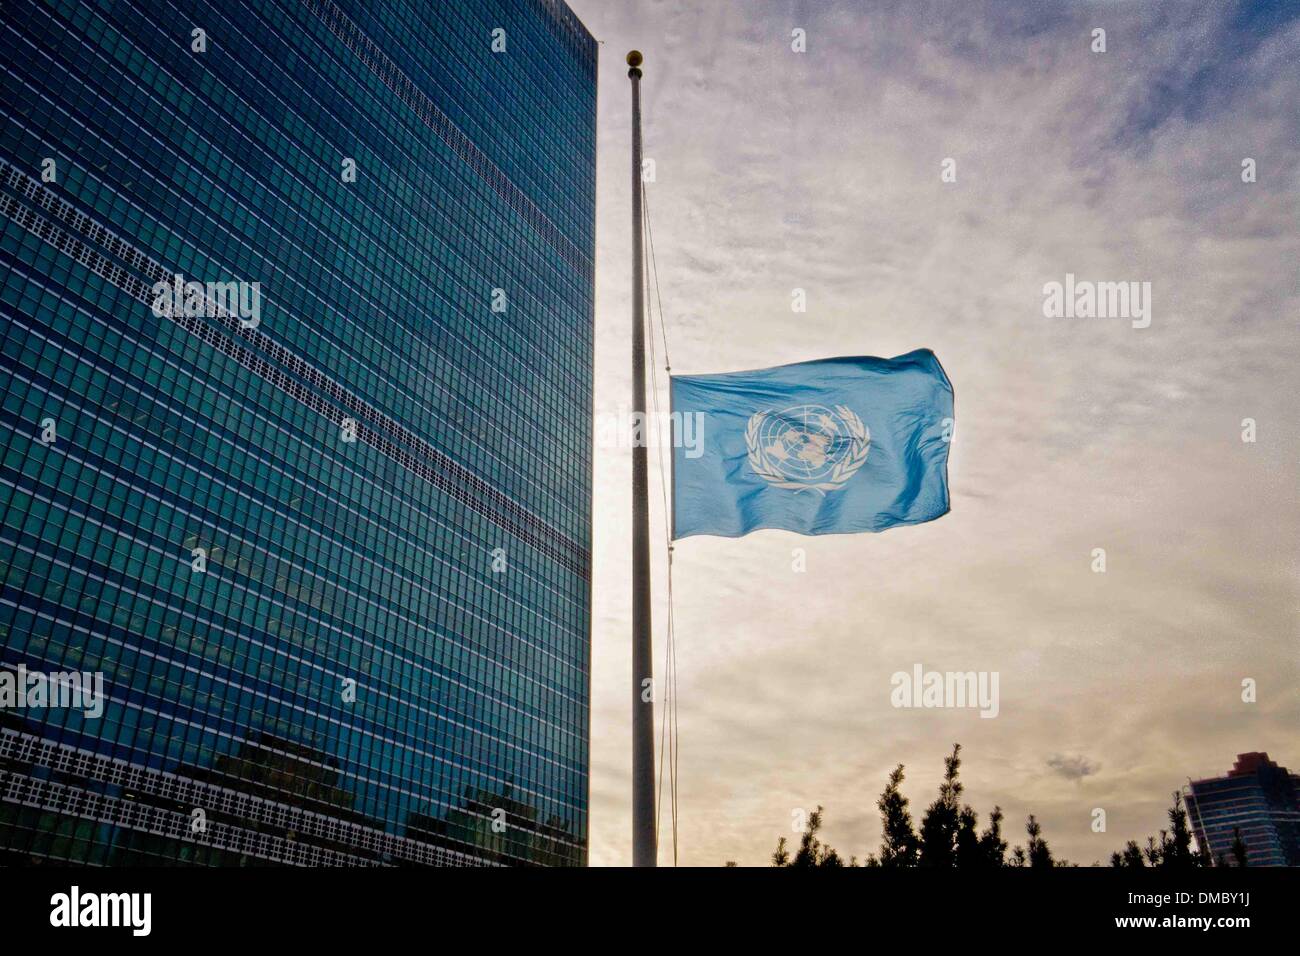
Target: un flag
column 827, row 447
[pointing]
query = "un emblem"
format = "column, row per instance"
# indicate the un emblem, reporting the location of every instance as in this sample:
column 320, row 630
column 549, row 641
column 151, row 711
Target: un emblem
column 807, row 447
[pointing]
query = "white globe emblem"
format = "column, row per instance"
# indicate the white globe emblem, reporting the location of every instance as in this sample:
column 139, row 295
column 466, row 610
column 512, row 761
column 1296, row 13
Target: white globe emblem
column 807, row 447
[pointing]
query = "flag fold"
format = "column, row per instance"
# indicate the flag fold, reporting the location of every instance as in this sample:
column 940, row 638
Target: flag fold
column 834, row 446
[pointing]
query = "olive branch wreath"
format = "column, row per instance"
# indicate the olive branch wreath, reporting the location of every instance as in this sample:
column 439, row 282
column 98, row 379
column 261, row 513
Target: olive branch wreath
column 841, row 473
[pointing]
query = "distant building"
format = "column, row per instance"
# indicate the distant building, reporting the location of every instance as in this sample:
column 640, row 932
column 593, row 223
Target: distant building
column 1257, row 798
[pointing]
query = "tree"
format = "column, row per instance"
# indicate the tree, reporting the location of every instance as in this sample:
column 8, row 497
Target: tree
column 898, row 846
column 1172, row 850
column 993, row 849
column 969, row 854
column 1239, row 851
column 1176, row 850
column 782, row 856
column 1152, row 851
column 949, row 836
column 812, row 852
column 1131, row 858
column 1039, row 854
column 940, row 825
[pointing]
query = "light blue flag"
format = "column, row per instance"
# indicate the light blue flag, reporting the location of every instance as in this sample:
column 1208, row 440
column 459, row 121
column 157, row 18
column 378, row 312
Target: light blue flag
column 828, row 447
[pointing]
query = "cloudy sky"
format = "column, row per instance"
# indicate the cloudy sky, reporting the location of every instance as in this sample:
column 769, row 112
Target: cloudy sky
column 821, row 170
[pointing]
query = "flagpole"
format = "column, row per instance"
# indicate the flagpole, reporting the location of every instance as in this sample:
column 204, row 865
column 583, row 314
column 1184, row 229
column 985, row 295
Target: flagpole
column 644, row 838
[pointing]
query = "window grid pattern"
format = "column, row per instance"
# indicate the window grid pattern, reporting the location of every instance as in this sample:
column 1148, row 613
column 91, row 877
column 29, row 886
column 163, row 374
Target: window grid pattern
column 413, row 453
column 371, row 560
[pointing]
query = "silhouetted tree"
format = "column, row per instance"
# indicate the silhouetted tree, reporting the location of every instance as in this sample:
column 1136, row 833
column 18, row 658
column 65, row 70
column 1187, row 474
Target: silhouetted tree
column 1152, row 851
column 898, row 845
column 812, row 852
column 1171, row 850
column 1176, row 849
column 1131, row 858
column 949, row 836
column 969, row 856
column 993, row 849
column 940, row 824
column 782, row 856
column 1039, row 854
column 1239, row 852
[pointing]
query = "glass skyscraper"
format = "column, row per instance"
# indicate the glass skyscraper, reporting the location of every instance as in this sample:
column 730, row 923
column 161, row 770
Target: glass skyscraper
column 296, row 304
column 1258, row 801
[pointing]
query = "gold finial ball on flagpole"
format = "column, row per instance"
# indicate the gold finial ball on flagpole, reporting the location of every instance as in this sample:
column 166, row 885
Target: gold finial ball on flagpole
column 634, row 58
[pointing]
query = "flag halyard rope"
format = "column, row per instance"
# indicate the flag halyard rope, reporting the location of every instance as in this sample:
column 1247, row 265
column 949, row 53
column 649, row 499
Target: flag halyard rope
column 668, row 739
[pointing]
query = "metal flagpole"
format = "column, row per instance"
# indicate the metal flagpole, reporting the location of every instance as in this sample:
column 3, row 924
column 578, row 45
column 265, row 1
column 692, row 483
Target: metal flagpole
column 644, row 838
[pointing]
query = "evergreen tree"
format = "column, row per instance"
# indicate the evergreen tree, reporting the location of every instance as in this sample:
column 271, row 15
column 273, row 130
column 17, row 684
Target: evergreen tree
column 993, row 849
column 782, row 856
column 812, row 852
column 949, row 836
column 1171, row 850
column 898, row 846
column 1131, row 858
column 1039, row 854
column 970, row 855
column 941, row 821
column 1239, row 852
column 1152, row 852
column 1176, row 849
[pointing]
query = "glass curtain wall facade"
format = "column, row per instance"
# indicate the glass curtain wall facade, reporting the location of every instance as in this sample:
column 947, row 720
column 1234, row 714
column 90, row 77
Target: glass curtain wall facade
column 296, row 304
